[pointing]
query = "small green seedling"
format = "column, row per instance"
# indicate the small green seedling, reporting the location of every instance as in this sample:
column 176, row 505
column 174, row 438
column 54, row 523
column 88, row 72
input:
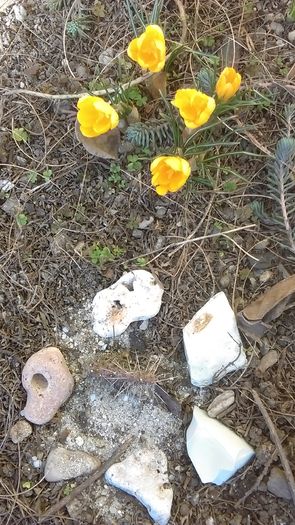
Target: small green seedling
column 47, row 174
column 141, row 261
column 115, row 178
column 22, row 219
column 32, row 176
column 20, row 135
column 27, row 485
column 134, row 95
column 78, row 26
column 134, row 164
column 100, row 255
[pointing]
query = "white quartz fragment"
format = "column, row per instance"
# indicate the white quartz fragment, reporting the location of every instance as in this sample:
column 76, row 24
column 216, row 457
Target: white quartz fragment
column 212, row 342
column 215, row 451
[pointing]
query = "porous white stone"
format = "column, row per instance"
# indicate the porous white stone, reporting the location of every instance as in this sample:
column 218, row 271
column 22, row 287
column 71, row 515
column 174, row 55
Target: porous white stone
column 136, row 296
column 215, row 451
column 143, row 474
column 212, row 342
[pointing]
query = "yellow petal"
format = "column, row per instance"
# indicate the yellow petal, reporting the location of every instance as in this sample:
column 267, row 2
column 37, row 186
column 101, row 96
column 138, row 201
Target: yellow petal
column 155, row 31
column 132, row 50
column 156, row 163
column 161, row 190
column 88, row 132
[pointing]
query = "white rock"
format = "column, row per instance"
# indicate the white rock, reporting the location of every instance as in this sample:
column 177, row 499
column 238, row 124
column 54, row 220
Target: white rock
column 136, row 296
column 215, row 451
column 19, row 12
column 66, row 464
column 212, row 342
column 143, row 474
column 291, row 36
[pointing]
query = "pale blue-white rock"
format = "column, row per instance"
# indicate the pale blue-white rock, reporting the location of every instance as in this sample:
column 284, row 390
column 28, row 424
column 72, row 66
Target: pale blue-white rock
column 215, row 451
column 212, row 342
column 136, row 296
column 143, row 474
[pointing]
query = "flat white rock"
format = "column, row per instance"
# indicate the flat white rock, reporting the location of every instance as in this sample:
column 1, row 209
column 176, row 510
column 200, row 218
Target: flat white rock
column 212, row 342
column 143, row 474
column 136, row 296
column 215, row 451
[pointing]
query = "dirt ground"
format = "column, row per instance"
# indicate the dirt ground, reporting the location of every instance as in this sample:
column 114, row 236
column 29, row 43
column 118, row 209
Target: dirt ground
column 50, row 223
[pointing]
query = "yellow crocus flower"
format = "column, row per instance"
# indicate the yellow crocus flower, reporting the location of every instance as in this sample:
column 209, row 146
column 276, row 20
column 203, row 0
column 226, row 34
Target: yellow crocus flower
column 169, row 173
column 96, row 116
column 228, row 83
column 194, row 106
column 149, row 49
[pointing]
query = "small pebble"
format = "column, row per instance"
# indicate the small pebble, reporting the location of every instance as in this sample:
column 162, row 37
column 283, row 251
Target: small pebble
column 277, row 484
column 143, row 225
column 137, row 234
column 221, row 403
column 161, row 211
column 277, row 28
column 268, row 360
column 19, row 12
column 20, row 431
column 37, row 463
column 66, row 464
column 144, row 325
column 265, row 276
column 291, row 36
column 6, row 185
column 106, row 57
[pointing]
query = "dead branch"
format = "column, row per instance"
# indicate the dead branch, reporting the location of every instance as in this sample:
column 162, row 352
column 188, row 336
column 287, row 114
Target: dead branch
column 274, row 435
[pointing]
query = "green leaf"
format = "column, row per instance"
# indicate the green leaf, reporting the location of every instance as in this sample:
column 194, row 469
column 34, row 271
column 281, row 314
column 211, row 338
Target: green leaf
column 230, row 185
column 47, row 174
column 141, row 261
column 20, row 135
column 206, row 80
column 32, row 176
column 68, row 488
column 27, row 484
column 133, row 94
column 21, row 219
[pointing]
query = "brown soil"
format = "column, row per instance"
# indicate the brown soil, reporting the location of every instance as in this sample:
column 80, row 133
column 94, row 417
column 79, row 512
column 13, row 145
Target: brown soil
column 48, row 279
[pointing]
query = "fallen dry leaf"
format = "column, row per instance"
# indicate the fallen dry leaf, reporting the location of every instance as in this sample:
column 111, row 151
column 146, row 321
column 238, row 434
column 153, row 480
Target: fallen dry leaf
column 157, row 84
column 105, row 146
column 254, row 319
column 98, row 9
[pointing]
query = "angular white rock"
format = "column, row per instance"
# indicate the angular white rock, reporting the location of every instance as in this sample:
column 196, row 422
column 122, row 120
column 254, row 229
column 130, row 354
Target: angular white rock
column 136, row 296
column 212, row 342
column 215, row 451
column 143, row 474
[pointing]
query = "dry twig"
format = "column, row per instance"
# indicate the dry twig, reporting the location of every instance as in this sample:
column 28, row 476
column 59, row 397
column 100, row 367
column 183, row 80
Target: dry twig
column 277, row 442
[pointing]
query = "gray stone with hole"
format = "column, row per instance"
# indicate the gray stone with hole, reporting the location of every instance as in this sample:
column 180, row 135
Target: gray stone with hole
column 48, row 383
